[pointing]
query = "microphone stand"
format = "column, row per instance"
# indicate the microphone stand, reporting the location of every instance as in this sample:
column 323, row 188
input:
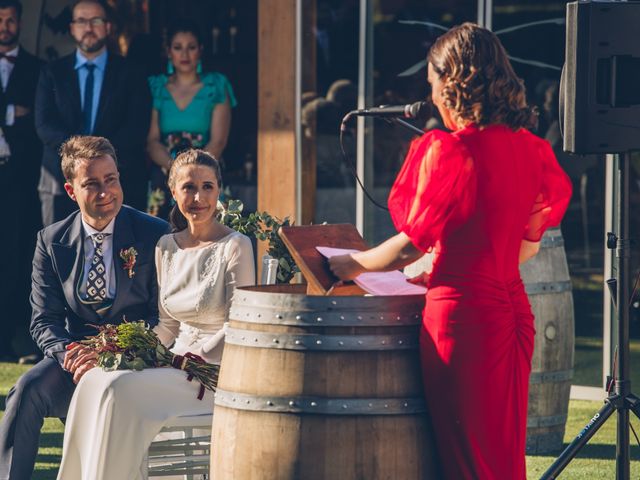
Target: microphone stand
column 415, row 130
column 343, row 130
column 404, row 123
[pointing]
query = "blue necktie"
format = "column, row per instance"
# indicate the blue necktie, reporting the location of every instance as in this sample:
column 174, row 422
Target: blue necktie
column 87, row 111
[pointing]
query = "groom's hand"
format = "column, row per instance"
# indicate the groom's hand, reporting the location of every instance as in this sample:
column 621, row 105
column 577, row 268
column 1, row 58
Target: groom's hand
column 82, row 369
column 78, row 360
column 73, row 349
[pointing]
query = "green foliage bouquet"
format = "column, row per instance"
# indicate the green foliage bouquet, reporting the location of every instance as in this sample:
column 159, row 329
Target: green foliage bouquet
column 263, row 227
column 135, row 346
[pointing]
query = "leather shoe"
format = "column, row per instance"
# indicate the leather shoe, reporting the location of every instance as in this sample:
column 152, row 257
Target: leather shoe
column 30, row 359
column 8, row 358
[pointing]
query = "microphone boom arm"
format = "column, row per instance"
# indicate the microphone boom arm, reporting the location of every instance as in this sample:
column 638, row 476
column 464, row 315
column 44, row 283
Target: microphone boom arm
column 404, row 123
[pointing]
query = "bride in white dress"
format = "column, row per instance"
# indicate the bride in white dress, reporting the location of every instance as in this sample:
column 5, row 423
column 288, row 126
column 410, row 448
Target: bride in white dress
column 114, row 416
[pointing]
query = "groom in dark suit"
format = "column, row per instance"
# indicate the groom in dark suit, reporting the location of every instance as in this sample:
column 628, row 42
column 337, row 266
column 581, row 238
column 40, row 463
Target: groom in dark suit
column 81, row 277
column 92, row 92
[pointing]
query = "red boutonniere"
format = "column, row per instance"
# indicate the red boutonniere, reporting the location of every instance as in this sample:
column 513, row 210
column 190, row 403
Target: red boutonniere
column 128, row 255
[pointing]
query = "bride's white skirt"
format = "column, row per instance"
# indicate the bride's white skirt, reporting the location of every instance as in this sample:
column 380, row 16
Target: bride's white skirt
column 114, row 417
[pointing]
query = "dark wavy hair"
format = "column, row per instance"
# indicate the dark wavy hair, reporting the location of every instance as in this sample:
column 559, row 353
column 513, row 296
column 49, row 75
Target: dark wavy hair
column 189, row 157
column 184, row 25
column 480, row 85
column 15, row 4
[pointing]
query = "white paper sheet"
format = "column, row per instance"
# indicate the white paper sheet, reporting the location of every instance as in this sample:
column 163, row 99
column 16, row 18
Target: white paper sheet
column 378, row 283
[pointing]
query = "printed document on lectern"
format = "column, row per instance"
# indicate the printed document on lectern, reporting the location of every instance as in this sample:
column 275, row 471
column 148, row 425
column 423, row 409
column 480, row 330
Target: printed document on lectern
column 378, row 283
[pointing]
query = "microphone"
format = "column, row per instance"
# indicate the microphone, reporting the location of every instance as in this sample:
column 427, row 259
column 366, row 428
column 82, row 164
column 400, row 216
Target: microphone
column 420, row 110
column 411, row 110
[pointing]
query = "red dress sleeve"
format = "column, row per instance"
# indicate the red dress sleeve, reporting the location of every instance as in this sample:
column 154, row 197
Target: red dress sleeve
column 553, row 199
column 435, row 189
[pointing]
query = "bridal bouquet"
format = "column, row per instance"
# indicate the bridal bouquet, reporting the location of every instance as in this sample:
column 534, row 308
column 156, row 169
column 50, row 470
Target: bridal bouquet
column 135, row 346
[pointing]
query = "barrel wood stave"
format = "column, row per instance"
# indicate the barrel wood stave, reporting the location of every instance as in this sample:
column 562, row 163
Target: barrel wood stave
column 553, row 356
column 269, row 444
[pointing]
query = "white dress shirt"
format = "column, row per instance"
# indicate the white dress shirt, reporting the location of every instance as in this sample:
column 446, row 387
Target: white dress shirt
column 6, row 67
column 107, row 255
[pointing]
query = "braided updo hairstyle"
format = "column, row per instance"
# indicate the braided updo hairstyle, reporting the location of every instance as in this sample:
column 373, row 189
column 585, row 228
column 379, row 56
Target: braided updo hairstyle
column 480, row 85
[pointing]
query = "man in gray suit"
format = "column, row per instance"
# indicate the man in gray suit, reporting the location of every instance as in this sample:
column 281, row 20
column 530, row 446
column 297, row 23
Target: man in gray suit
column 79, row 279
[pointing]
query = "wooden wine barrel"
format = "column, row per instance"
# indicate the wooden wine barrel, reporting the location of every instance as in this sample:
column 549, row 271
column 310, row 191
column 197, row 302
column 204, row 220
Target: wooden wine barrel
column 547, row 282
column 318, row 387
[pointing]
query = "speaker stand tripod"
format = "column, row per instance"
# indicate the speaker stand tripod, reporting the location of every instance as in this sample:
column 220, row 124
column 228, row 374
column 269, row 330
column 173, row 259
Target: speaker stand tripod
column 621, row 401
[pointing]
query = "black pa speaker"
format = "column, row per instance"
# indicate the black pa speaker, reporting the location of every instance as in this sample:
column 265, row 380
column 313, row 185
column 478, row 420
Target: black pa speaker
column 600, row 86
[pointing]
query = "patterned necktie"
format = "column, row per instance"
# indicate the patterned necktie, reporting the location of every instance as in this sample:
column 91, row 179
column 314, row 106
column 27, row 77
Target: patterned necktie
column 96, row 283
column 87, row 111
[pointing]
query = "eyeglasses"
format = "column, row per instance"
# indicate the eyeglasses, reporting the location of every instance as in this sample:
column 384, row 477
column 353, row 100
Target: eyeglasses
column 94, row 22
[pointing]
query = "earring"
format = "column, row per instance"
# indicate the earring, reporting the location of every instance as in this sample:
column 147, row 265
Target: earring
column 170, row 69
column 199, row 67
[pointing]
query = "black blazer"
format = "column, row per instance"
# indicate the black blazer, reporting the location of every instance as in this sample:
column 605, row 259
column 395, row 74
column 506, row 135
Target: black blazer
column 26, row 149
column 59, row 317
column 124, row 112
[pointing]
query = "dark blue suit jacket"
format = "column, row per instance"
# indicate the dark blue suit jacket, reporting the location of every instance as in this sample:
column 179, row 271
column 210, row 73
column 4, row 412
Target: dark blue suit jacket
column 123, row 116
column 59, row 317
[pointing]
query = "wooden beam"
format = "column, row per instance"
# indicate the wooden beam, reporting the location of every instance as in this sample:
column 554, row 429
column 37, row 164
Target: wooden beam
column 276, row 107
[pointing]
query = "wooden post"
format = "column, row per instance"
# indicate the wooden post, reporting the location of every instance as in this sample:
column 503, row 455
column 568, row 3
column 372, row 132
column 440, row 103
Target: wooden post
column 277, row 118
column 276, row 107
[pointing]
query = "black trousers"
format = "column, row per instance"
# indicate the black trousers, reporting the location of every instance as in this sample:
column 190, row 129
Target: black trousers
column 9, row 259
column 44, row 391
column 20, row 213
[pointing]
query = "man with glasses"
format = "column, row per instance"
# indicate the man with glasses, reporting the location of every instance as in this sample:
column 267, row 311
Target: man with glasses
column 91, row 92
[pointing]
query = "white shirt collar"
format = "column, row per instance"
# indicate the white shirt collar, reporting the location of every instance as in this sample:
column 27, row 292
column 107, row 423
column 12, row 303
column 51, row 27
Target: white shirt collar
column 100, row 61
column 13, row 52
column 89, row 230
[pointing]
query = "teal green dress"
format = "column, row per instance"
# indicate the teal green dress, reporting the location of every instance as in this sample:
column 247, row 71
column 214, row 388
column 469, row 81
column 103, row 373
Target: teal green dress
column 183, row 129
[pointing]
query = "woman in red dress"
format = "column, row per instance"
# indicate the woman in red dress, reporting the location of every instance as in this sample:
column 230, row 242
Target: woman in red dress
column 481, row 198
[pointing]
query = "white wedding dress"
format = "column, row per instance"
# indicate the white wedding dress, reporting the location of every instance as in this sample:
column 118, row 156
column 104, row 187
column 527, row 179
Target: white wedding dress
column 114, row 416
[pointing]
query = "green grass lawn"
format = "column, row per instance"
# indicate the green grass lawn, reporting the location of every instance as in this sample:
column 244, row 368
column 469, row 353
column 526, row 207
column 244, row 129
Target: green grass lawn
column 51, row 440
column 588, row 362
column 596, row 461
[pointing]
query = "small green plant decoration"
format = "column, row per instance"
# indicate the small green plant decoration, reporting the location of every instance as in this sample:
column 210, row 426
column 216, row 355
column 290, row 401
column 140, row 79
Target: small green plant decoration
column 263, row 227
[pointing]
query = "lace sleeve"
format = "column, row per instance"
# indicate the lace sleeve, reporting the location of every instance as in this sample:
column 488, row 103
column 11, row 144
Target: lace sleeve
column 239, row 272
column 167, row 328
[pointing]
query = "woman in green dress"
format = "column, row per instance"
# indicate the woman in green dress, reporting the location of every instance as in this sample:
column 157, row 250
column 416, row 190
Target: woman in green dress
column 191, row 109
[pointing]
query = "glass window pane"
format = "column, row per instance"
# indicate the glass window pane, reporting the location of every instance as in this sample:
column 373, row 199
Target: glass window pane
column 329, row 91
column 403, row 34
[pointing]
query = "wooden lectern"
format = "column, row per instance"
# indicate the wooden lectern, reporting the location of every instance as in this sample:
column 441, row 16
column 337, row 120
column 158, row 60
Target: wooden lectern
column 302, row 242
